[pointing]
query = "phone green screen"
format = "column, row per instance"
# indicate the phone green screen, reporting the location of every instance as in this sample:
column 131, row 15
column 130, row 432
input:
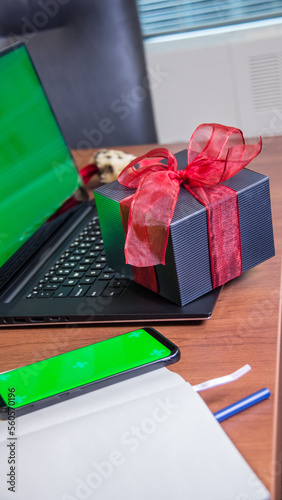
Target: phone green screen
column 81, row 366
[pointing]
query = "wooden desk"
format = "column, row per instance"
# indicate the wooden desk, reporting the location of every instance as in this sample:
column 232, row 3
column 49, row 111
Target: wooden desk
column 245, row 328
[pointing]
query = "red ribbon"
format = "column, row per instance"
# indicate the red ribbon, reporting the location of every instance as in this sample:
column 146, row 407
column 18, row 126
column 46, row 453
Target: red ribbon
column 215, row 153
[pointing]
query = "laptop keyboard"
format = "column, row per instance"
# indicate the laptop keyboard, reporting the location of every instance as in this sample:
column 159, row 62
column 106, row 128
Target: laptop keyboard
column 81, row 271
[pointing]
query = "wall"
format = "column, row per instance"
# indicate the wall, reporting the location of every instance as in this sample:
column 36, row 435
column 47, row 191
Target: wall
column 233, row 77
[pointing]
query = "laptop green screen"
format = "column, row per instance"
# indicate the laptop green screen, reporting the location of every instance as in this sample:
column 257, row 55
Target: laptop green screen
column 37, row 173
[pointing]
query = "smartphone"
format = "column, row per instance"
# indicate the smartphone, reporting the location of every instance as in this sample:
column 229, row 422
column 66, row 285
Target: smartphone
column 67, row 375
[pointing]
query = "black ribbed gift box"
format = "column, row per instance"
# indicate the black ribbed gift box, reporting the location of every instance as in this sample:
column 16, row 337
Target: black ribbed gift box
column 186, row 274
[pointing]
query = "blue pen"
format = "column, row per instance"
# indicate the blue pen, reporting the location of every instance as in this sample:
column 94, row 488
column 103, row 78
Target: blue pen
column 241, row 405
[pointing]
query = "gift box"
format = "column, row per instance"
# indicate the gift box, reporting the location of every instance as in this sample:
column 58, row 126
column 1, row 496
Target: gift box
column 194, row 232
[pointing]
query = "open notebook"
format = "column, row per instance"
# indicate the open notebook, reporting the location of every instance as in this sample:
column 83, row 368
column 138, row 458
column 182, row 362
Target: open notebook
column 151, row 437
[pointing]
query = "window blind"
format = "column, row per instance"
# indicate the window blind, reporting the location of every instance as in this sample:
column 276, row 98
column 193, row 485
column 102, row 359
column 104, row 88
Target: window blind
column 159, row 17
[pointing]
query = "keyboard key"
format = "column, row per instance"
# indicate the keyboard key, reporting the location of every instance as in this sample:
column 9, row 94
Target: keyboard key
column 85, row 245
column 62, row 292
column 50, row 273
column 119, row 282
column 105, row 276
column 109, row 269
column 79, row 291
column 75, row 258
column 79, row 251
column 32, row 295
column 90, row 239
column 45, row 294
column 57, row 279
column 81, row 267
column 58, row 263
column 102, row 258
column 76, row 274
column 69, row 265
column 70, row 282
column 98, row 265
column 51, row 286
column 93, row 272
column 96, row 289
column 93, row 254
column 111, row 292
column 63, row 272
column 38, row 287
column 86, row 260
column 87, row 280
column 53, row 268
column 44, row 280
column 65, row 255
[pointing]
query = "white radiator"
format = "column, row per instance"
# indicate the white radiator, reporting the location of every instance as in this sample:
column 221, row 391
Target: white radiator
column 233, row 77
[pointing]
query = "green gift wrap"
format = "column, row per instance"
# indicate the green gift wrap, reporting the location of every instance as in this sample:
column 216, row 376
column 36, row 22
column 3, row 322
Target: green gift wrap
column 186, row 274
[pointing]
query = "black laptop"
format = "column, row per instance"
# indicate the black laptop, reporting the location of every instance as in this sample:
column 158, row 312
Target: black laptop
column 53, row 267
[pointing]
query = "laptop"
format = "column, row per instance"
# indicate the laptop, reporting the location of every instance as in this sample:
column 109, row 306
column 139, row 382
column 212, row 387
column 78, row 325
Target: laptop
column 53, row 267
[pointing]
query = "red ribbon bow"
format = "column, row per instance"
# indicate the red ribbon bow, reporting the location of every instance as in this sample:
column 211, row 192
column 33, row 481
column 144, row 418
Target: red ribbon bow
column 215, row 153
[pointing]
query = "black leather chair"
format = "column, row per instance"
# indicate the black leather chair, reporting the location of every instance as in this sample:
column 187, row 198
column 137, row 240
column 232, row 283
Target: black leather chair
column 90, row 58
